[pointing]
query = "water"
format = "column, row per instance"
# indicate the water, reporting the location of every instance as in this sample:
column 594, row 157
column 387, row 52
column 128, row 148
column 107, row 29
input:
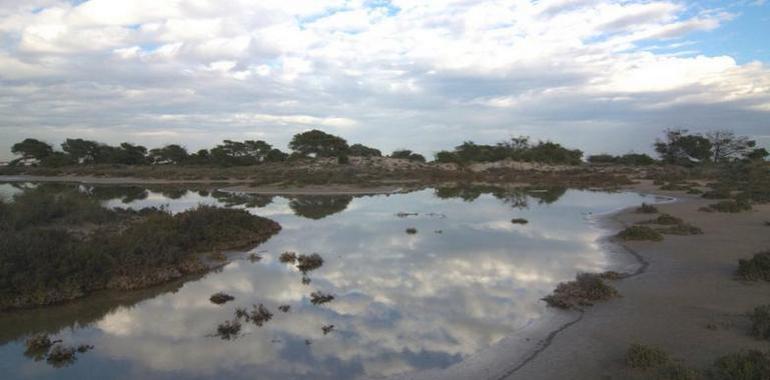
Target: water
column 465, row 280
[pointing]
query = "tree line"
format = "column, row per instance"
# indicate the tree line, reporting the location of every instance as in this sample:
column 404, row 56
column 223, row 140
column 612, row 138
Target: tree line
column 677, row 147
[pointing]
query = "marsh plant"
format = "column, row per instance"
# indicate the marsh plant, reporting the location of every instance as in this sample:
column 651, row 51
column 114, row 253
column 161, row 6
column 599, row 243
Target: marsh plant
column 220, row 298
column 320, row 298
column 645, row 357
column 288, row 257
column 646, row 209
column 760, row 322
column 229, row 329
column 307, row 263
column 259, row 315
column 585, row 290
column 756, row 268
column 61, row 355
column 747, row 365
column 639, row 233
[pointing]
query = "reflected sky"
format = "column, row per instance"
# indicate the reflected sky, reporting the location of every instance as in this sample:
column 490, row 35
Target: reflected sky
column 403, row 302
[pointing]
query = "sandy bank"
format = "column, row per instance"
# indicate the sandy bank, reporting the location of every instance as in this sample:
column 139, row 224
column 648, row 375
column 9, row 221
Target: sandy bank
column 687, row 286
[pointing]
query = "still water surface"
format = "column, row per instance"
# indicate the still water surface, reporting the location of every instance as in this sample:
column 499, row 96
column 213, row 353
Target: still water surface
column 404, row 302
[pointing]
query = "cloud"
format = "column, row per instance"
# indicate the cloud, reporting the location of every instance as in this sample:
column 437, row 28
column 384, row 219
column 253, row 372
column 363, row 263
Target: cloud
column 433, row 73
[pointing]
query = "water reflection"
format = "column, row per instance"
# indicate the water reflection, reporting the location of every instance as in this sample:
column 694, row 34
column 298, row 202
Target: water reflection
column 319, row 207
column 400, row 302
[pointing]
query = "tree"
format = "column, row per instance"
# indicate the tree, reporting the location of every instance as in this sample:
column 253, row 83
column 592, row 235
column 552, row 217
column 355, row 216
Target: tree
column 276, row 155
column 681, row 148
column 726, row 146
column 407, row 155
column 318, row 143
column 359, row 150
column 32, row 149
column 82, row 151
column 130, row 154
column 169, row 154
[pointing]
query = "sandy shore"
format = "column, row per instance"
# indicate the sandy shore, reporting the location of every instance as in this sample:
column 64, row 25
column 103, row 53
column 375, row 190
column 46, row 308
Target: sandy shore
column 687, row 285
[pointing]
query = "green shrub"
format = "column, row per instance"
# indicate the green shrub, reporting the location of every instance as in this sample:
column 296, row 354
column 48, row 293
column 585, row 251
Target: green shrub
column 584, row 291
column 748, row 365
column 666, row 220
column 681, row 229
column 640, row 233
column 644, row 357
column 411, row 230
column 760, row 322
column 519, row 221
column 731, row 206
column 756, row 268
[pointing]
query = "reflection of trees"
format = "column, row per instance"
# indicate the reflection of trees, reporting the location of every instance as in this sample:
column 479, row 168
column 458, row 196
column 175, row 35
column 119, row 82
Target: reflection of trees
column 125, row 194
column 516, row 197
column 78, row 313
column 248, row 200
column 319, row 207
column 173, row 193
column 547, row 195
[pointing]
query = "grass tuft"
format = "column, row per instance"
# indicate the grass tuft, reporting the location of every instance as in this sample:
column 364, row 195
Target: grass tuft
column 584, row 291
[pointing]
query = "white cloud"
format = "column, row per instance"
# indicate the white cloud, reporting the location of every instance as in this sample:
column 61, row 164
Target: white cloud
column 486, row 69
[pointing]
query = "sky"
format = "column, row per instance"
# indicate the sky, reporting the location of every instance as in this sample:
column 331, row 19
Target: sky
column 602, row 76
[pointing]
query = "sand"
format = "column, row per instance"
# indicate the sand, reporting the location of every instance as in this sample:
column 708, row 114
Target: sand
column 687, row 286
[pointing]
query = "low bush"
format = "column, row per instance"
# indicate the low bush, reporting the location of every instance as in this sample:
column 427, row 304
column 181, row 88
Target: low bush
column 640, row 356
column 519, row 221
column 220, row 298
column 720, row 193
column 307, row 263
column 677, row 371
column 665, row 220
column 647, row 209
column 731, row 206
column 760, row 322
column 637, row 233
column 681, row 229
column 229, row 329
column 584, row 291
column 288, row 257
column 411, row 230
column 756, row 268
column 748, row 365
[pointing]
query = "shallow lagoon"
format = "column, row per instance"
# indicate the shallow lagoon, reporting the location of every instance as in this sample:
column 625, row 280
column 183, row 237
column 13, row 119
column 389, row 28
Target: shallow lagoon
column 404, row 302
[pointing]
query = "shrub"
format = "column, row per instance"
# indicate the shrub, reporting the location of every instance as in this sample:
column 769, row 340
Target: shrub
column 748, row 365
column 259, row 315
column 681, row 229
column 647, row 209
column 720, row 193
column 756, row 268
column 411, row 230
column 307, row 263
column 61, row 356
column 731, row 206
column 640, row 233
column 644, row 357
column 519, row 221
column 665, row 220
column 287, row 257
column 584, row 291
column 760, row 322
column 320, row 298
column 220, row 298
column 229, row 329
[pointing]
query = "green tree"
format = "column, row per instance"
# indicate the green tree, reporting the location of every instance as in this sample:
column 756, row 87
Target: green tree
column 407, row 154
column 169, row 154
column 681, row 148
column 318, row 143
column 82, row 151
column 359, row 150
column 725, row 145
column 32, row 149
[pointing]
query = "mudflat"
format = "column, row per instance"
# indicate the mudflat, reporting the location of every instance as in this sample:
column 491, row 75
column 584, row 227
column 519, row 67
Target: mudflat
column 686, row 301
